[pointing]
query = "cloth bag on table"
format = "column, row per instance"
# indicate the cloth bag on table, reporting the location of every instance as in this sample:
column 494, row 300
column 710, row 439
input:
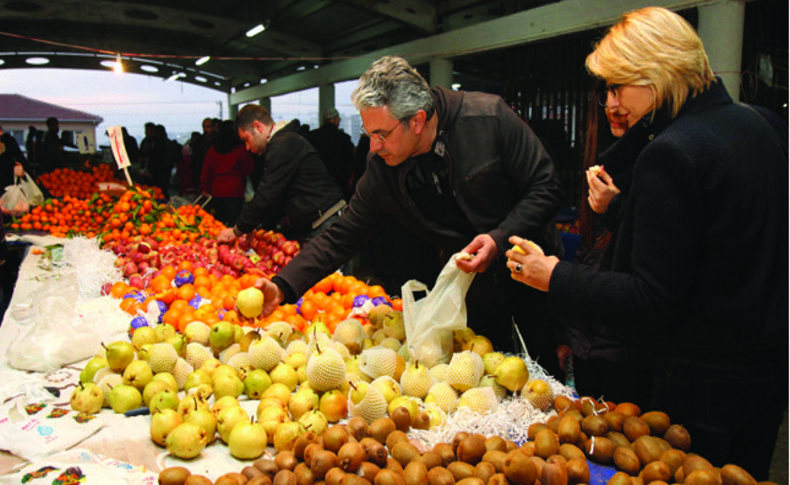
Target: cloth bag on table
column 34, row 195
column 57, row 335
column 430, row 321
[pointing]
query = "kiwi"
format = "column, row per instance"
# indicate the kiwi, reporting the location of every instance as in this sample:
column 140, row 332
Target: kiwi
column 600, row 449
column 394, row 437
column 266, row 465
column 415, row 473
column 440, row 476
column 554, row 474
column 620, row 478
column 286, row 459
column 519, row 468
column 614, row 420
column 381, row 428
column 634, row 427
column 393, row 464
column 358, row 427
column 557, row 460
column 569, row 429
column 251, row 472
column 577, row 470
column 528, row 448
column 647, row 449
column 335, row 436
column 429, row 458
column 445, row 450
column 678, row 437
column 376, row 452
column 734, row 475
column 570, row 451
column 674, row 458
column 656, row 471
column 174, row 475
column 553, row 423
column 657, row 421
column 595, row 425
column 471, row 449
column 498, row 479
column 321, row 462
column 421, row 420
column 470, row 481
column 368, row 470
column 403, row 451
column 388, row 477
column 695, row 462
column 625, row 459
column 592, row 406
column 259, row 480
column 285, row 477
column 484, row 471
column 703, row 477
column 457, row 439
column 402, row 418
column 496, row 443
column 618, row 438
column 311, row 450
column 350, row 457
column 461, row 470
column 304, row 475
column 334, row 476
column 353, row 479
column 562, row 403
column 201, row 480
column 628, row 408
column 496, row 458
column 301, row 443
column 546, row 443
column 533, row 429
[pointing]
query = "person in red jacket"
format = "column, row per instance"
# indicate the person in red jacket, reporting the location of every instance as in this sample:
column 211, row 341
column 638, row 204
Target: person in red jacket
column 224, row 174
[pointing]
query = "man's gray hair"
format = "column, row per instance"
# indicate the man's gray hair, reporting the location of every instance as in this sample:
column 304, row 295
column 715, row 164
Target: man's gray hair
column 392, row 82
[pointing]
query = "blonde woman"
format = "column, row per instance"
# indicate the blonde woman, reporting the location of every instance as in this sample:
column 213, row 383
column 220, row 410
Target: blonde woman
column 699, row 282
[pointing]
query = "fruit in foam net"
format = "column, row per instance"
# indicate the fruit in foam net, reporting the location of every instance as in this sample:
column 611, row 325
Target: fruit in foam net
column 465, row 370
column 416, row 380
column 326, row 369
column 249, row 301
column 538, row 392
column 265, row 353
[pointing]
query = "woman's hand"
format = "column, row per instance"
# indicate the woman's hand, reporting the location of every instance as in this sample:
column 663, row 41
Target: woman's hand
column 19, row 171
column 602, row 190
column 482, row 250
column 532, row 267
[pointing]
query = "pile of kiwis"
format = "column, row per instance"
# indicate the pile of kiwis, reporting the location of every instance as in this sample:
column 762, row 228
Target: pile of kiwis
column 644, row 448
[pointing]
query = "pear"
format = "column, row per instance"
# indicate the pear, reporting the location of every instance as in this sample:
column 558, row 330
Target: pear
column 377, row 361
column 444, row 396
column 492, row 360
column 271, row 417
column 197, row 332
column 124, row 398
column 388, row 386
column 168, row 378
column 153, row 388
column 297, row 359
column 366, row 402
column 350, row 333
column 179, row 342
column 204, row 418
column 326, row 369
column 302, row 401
column 285, row 434
column 162, row 423
column 94, row 364
column 138, row 373
column 229, row 417
column 265, row 353
column 256, row 383
column 239, row 361
column 222, row 335
column 285, row 374
column 162, row 357
column 186, row 441
column 107, row 383
column 249, row 301
column 334, row 405
column 464, row 370
column 512, row 373
column 119, row 354
column 411, row 404
column 87, row 397
column 480, row 344
column 280, row 331
column 250, row 336
column 228, row 352
column 538, row 392
column 164, row 331
column 197, row 378
column 144, row 335
column 393, row 325
column 222, row 403
column 437, row 416
column 490, row 381
column 460, row 336
column 481, row 400
column 314, row 421
column 227, row 385
column 247, row 440
column 164, row 399
column 416, row 380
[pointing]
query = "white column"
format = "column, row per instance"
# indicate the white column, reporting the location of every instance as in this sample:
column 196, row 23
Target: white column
column 721, row 29
column 441, row 73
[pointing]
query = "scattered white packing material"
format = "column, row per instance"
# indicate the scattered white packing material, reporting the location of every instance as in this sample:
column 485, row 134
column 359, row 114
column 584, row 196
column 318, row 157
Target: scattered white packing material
column 95, row 265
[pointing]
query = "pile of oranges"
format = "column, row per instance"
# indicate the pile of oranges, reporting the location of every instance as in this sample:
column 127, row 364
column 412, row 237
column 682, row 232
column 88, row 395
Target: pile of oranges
column 209, row 298
column 82, row 183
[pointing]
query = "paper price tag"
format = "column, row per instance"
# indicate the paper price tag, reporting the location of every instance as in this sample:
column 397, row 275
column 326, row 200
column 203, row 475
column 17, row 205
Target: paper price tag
column 118, row 147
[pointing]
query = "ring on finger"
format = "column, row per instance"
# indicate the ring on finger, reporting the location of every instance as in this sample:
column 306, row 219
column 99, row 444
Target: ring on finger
column 519, row 267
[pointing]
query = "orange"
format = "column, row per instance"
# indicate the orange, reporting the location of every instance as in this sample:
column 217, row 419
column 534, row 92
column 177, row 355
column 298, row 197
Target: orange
column 186, row 318
column 160, row 283
column 169, row 271
column 200, row 271
column 202, row 280
column 186, row 291
column 171, row 316
column 203, row 292
column 118, row 289
column 376, row 291
column 179, row 305
column 185, row 264
column 397, row 304
column 325, row 285
column 308, row 310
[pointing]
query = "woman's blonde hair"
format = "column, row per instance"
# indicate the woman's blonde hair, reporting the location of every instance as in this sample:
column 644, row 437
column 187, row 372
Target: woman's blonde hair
column 657, row 48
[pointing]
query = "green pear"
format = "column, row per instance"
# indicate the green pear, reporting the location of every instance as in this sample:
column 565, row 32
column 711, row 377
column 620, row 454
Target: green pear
column 94, row 364
column 87, row 397
column 222, row 335
column 228, row 418
column 512, row 373
column 164, row 399
column 227, row 386
column 256, row 382
column 285, row 435
column 302, row 401
column 285, row 374
column 119, row 354
column 492, row 360
column 162, row 423
column 204, row 418
column 164, row 331
column 124, row 398
column 179, row 342
column 197, row 378
column 249, row 301
column 144, row 335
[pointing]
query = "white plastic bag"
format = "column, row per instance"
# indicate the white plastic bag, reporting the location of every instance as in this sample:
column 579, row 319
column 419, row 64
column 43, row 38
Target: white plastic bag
column 14, row 201
column 57, row 335
column 430, row 321
column 32, row 192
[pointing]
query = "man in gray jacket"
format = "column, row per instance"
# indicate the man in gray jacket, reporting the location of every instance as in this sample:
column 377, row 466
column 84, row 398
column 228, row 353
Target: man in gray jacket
column 459, row 170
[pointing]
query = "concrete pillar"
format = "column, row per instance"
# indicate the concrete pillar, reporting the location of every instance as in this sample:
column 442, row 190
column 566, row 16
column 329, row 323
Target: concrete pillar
column 326, row 100
column 721, row 30
column 441, row 73
column 266, row 103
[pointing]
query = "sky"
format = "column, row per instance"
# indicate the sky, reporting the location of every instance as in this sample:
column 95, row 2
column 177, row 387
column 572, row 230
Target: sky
column 131, row 100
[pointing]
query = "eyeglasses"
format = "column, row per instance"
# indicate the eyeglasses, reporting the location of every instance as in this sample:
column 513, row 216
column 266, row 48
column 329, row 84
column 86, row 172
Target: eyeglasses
column 379, row 135
column 603, row 96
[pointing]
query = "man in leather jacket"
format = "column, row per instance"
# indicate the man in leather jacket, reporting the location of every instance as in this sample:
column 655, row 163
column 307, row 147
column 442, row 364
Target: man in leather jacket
column 459, row 170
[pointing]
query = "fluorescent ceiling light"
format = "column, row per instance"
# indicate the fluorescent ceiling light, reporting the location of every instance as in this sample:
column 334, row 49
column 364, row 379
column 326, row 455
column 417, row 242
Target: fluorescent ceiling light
column 255, row 30
column 149, row 68
column 456, row 86
column 118, row 67
column 202, row 60
column 37, row 61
